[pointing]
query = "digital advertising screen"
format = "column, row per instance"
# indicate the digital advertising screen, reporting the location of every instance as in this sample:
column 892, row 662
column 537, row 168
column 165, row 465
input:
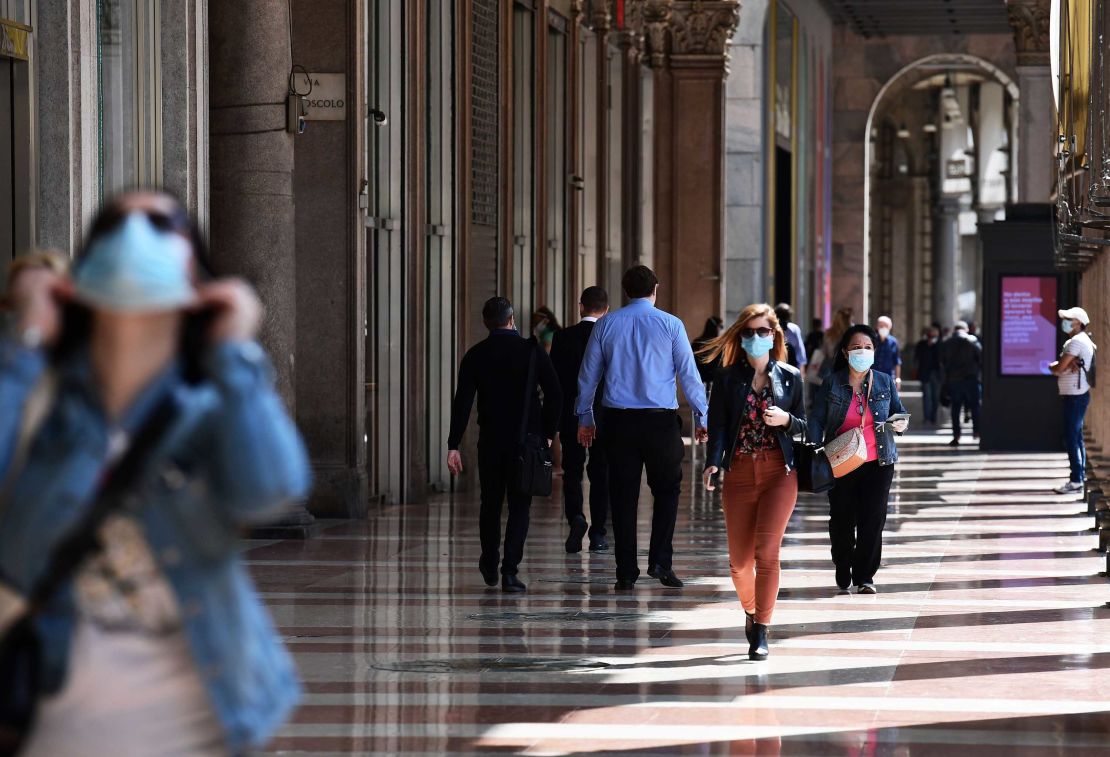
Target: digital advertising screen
column 1028, row 325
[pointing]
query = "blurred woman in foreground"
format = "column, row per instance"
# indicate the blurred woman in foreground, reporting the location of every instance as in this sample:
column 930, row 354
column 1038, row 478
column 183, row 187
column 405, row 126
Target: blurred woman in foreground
column 156, row 643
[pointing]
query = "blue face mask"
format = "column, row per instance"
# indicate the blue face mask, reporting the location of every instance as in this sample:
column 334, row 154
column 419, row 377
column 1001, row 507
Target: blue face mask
column 861, row 360
column 1067, row 325
column 136, row 268
column 757, row 346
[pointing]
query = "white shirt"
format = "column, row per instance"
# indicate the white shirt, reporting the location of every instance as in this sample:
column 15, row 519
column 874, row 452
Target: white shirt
column 1071, row 384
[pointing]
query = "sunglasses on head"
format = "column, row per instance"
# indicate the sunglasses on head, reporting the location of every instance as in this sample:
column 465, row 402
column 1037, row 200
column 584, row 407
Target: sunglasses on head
column 762, row 331
column 176, row 221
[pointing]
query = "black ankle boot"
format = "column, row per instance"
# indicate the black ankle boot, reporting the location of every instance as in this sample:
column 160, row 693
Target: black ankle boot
column 758, row 650
column 749, row 626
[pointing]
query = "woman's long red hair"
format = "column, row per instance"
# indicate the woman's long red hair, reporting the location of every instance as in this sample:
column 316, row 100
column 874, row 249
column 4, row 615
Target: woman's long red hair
column 727, row 346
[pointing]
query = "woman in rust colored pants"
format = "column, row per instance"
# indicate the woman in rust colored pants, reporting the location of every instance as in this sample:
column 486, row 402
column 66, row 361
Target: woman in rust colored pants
column 756, row 407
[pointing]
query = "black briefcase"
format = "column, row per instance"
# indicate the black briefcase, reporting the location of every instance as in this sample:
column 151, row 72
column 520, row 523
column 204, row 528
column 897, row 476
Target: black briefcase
column 814, row 472
column 533, row 460
column 534, row 467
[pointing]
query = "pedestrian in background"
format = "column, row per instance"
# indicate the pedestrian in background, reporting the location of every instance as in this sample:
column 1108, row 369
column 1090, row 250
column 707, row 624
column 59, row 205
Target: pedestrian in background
column 961, row 359
column 926, row 358
column 544, row 326
column 821, row 365
column 140, row 432
column 856, row 396
column 888, row 353
column 567, row 351
column 498, row 370
column 794, row 341
column 638, row 351
column 706, row 368
column 815, row 338
column 1073, row 374
column 755, row 410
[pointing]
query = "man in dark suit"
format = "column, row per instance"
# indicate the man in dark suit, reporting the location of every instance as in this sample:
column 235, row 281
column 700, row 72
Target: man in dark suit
column 567, row 350
column 496, row 369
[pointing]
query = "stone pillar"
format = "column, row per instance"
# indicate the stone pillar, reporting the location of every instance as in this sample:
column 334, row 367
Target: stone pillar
column 946, row 261
column 690, row 211
column 1035, row 164
column 251, row 222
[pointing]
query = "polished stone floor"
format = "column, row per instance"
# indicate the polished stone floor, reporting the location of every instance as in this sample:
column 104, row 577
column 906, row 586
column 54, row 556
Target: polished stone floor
column 989, row 635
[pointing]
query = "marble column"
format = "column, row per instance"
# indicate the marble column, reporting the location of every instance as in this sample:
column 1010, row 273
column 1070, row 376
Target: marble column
column 252, row 220
column 946, row 261
column 1035, row 132
column 690, row 118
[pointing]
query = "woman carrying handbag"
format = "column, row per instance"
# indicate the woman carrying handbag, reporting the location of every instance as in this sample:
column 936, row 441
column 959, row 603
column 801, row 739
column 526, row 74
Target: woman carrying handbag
column 755, row 409
column 855, row 415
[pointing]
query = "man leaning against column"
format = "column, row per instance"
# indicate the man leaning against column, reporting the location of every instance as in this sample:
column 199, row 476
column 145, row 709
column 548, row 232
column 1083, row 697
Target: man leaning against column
column 638, row 351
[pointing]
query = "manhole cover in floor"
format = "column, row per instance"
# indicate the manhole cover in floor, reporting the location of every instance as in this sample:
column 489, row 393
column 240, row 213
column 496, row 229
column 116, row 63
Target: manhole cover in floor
column 565, row 616
column 491, row 665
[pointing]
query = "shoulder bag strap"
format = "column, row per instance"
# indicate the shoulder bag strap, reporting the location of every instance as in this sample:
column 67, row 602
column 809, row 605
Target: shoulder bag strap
column 83, row 539
column 529, row 387
column 867, row 404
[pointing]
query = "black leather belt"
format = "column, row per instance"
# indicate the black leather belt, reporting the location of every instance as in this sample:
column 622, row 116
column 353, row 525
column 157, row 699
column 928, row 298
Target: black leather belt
column 641, row 410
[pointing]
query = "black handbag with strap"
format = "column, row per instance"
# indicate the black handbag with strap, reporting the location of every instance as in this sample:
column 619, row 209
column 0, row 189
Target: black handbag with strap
column 20, row 646
column 534, row 464
column 814, row 472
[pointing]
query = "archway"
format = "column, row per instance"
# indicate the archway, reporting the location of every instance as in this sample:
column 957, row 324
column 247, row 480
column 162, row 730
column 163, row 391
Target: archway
column 947, row 76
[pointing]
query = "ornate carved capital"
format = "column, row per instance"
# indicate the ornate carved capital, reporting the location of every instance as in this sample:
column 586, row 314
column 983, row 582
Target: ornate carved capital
column 602, row 18
column 1030, row 21
column 657, row 19
column 703, row 27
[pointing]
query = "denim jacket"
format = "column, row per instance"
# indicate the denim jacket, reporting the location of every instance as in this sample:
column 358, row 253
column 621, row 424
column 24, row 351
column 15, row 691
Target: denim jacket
column 726, row 401
column 231, row 457
column 834, row 399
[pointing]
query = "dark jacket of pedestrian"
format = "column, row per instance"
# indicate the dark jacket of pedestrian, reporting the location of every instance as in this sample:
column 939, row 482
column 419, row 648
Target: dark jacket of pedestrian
column 727, row 402
column 961, row 357
column 568, row 347
column 495, row 371
column 926, row 359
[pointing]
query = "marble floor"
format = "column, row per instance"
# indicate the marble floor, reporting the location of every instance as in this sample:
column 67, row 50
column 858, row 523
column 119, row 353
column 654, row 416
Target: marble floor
column 989, row 636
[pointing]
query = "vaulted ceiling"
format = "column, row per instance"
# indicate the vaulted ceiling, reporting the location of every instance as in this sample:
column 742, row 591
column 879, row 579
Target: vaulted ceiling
column 887, row 18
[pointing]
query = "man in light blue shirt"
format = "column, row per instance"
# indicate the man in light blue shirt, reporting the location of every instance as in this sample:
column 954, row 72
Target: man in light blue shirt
column 638, row 351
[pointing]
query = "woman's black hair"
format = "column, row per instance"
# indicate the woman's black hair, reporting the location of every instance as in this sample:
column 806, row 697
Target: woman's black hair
column 841, row 361
column 713, row 328
column 77, row 319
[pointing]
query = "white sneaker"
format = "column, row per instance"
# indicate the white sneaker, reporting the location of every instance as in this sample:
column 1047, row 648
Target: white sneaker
column 1071, row 487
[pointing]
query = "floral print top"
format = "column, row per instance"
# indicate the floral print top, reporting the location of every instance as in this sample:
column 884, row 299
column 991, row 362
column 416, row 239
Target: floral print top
column 755, row 435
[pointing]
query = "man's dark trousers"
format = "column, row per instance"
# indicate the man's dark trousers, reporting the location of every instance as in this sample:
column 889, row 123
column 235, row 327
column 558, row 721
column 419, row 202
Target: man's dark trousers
column 496, row 471
column 964, row 393
column 574, row 464
column 635, row 440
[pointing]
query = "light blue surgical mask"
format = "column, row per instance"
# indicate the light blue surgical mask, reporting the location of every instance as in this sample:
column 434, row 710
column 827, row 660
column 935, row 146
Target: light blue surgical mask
column 136, row 268
column 861, row 360
column 757, row 346
column 1067, row 325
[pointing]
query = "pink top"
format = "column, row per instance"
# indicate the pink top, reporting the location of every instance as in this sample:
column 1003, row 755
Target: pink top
column 852, row 421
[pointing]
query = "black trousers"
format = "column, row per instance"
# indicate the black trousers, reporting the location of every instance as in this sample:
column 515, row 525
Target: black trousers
column 496, row 468
column 857, row 515
column 574, row 465
column 635, row 440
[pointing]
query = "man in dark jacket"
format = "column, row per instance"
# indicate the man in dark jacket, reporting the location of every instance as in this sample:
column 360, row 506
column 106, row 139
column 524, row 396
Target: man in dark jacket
column 496, row 369
column 567, row 349
column 961, row 359
column 926, row 359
